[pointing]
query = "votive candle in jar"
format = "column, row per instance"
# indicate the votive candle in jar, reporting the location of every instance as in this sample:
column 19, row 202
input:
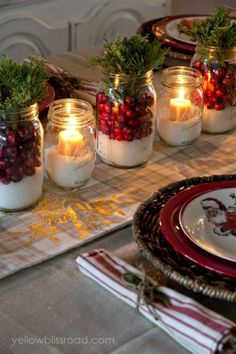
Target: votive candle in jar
column 21, row 158
column 180, row 106
column 70, row 149
column 218, row 68
column 126, row 112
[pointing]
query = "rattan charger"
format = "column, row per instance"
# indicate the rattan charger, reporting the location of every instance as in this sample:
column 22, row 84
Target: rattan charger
column 155, row 248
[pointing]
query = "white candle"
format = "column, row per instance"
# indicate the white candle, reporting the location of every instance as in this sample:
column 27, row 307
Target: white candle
column 180, row 109
column 70, row 143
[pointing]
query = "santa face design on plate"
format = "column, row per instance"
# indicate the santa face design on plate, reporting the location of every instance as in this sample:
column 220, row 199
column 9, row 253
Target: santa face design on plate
column 223, row 218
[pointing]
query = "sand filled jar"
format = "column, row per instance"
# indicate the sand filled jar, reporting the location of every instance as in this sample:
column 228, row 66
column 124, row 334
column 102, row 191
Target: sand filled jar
column 21, row 158
column 70, row 149
column 126, row 110
column 218, row 68
column 180, row 106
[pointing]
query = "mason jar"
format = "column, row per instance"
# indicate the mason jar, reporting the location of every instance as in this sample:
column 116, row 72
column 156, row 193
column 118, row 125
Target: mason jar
column 21, row 158
column 70, row 148
column 126, row 111
column 180, row 106
column 218, row 69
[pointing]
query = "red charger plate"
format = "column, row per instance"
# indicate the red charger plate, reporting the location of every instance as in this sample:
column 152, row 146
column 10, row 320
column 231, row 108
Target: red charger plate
column 172, row 230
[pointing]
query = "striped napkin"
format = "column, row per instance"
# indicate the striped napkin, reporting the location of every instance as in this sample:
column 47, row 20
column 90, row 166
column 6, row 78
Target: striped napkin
column 198, row 329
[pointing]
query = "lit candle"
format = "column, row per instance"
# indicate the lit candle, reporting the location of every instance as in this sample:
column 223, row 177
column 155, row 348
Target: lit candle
column 70, row 143
column 180, row 107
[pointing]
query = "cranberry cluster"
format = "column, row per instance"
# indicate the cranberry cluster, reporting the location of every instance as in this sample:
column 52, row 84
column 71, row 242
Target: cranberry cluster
column 129, row 120
column 19, row 152
column 217, row 84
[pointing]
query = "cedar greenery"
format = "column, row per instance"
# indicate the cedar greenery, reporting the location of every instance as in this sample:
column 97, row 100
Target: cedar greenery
column 131, row 56
column 219, row 30
column 21, row 85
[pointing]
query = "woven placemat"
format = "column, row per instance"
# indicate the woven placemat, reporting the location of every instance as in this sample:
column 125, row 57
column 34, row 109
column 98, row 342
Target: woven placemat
column 155, row 248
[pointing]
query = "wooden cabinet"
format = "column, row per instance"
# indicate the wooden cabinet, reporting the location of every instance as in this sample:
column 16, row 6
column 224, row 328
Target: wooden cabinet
column 54, row 26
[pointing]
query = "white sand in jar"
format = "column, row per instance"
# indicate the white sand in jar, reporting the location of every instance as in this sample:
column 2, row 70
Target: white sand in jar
column 20, row 195
column 124, row 153
column 67, row 171
column 179, row 133
column 219, row 121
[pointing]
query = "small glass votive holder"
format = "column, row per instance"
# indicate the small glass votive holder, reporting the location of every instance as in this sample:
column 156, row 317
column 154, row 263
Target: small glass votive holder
column 70, row 143
column 180, row 106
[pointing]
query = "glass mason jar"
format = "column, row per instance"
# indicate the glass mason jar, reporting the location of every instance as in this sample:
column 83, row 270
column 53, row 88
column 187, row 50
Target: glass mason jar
column 21, row 158
column 69, row 147
column 180, row 106
column 125, row 116
column 218, row 68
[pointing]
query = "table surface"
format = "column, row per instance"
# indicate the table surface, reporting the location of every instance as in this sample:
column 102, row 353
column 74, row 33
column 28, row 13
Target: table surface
column 53, row 308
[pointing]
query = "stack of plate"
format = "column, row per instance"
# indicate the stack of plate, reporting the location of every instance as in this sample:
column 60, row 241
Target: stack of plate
column 200, row 223
column 188, row 231
column 181, row 46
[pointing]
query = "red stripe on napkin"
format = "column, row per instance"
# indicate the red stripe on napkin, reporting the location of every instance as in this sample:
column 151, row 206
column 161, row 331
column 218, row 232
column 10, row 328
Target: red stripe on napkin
column 194, row 326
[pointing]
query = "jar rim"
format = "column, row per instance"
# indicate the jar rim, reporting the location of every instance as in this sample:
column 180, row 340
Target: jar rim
column 61, row 110
column 27, row 113
column 123, row 75
column 212, row 47
column 184, row 76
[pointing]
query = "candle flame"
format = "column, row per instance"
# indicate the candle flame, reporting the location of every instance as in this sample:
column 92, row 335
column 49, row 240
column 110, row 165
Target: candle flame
column 181, row 94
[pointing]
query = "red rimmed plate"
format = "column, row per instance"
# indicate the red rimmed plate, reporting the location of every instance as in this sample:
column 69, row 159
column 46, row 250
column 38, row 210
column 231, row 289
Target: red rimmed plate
column 172, row 230
column 209, row 220
column 166, row 26
column 49, row 99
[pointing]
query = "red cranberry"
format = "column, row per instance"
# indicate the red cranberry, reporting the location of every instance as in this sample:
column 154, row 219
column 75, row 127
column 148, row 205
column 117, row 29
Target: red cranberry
column 130, row 114
column 101, row 97
column 149, row 100
column 124, row 108
column 112, row 136
column 122, row 117
column 220, row 73
column 11, row 138
column 219, row 93
column 219, row 106
column 107, row 107
column 21, row 132
column 126, row 130
column 3, row 164
column 197, row 64
column 101, row 107
column 140, row 110
column 5, row 180
column 11, row 151
column 129, row 100
column 128, row 137
column 133, row 122
column 119, row 137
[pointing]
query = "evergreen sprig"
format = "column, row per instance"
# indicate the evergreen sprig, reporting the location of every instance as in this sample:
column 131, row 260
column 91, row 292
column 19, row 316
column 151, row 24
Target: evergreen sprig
column 131, row 56
column 21, row 85
column 219, row 30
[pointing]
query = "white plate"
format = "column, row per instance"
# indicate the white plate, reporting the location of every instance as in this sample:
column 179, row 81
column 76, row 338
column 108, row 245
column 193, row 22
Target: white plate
column 172, row 31
column 209, row 220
